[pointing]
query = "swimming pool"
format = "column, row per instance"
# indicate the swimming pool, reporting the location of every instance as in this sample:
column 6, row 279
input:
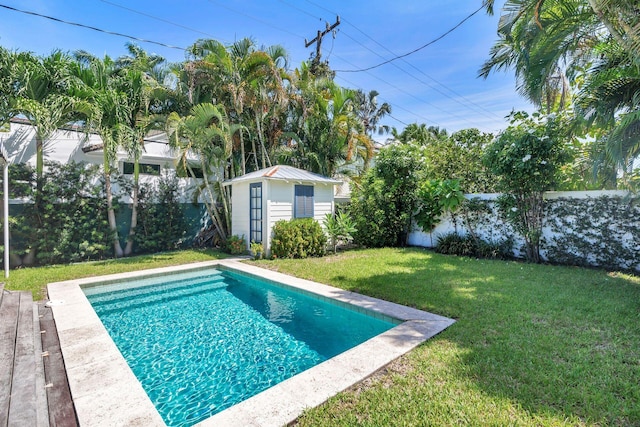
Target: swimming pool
column 105, row 391
column 204, row 340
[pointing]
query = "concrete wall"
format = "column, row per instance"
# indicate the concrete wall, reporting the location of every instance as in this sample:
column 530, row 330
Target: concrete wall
column 606, row 232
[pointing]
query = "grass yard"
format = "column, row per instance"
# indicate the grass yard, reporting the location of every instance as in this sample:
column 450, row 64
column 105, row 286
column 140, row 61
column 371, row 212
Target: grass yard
column 36, row 279
column 533, row 344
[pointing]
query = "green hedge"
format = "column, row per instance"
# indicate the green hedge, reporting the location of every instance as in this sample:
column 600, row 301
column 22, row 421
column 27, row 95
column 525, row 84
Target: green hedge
column 298, row 238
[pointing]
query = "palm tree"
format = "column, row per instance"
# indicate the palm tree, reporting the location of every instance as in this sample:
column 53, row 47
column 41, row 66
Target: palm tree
column 8, row 83
column 610, row 99
column 543, row 46
column 618, row 18
column 331, row 134
column 592, row 44
column 96, row 82
column 370, row 113
column 139, row 74
column 43, row 97
column 245, row 79
column 420, row 134
column 207, row 134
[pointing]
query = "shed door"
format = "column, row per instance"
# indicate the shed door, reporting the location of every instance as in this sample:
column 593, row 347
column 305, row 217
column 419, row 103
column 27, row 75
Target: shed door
column 255, row 212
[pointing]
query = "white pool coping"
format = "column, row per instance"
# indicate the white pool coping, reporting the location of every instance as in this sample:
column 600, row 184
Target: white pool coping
column 105, row 391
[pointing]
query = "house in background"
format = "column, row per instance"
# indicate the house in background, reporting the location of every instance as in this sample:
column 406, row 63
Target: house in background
column 71, row 144
column 259, row 199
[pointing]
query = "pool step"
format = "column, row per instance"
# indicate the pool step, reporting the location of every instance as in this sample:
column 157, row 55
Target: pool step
column 125, row 293
column 161, row 295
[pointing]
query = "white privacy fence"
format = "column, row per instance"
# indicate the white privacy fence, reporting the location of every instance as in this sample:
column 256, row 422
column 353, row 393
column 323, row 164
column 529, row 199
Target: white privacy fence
column 589, row 228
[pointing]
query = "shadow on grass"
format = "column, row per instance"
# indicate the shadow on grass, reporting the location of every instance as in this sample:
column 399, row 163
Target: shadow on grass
column 556, row 340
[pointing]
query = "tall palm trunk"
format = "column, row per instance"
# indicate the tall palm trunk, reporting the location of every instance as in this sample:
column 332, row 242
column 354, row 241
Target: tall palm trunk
column 263, row 149
column 111, row 215
column 242, row 159
column 134, row 207
column 212, row 209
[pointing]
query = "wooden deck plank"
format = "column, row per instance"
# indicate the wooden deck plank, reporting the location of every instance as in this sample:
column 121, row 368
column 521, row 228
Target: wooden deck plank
column 61, row 410
column 23, row 406
column 41, row 393
column 8, row 331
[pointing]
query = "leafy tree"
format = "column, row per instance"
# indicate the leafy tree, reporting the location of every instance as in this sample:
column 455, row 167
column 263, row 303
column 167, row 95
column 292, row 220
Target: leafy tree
column 526, row 157
column 384, row 204
column 435, row 198
column 586, row 47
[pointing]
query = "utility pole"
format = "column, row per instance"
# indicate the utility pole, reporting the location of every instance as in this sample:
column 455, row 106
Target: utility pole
column 318, row 41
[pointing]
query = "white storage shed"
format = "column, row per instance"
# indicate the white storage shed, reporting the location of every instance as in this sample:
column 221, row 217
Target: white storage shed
column 259, row 199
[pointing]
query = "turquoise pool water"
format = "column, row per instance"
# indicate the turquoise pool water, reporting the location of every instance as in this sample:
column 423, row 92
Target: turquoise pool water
column 202, row 341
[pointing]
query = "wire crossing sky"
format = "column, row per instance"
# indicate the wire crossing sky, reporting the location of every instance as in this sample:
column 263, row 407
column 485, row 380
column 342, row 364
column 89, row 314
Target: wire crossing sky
column 422, row 57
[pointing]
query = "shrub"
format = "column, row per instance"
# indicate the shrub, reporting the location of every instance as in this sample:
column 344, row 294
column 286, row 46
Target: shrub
column 236, row 245
column 340, row 228
column 466, row 245
column 298, row 238
column 526, row 157
column 455, row 244
column 256, row 250
column 68, row 222
column 383, row 205
column 162, row 223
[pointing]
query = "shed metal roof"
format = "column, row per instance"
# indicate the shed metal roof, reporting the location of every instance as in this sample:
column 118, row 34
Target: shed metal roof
column 283, row 173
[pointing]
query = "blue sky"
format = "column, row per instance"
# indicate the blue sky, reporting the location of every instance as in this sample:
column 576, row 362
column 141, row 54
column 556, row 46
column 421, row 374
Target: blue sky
column 437, row 85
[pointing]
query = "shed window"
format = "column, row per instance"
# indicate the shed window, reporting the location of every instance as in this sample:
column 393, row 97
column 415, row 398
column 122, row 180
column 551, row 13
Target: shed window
column 255, row 212
column 303, row 207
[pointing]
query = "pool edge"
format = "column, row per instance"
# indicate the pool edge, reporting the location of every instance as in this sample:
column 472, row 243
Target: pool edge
column 106, row 392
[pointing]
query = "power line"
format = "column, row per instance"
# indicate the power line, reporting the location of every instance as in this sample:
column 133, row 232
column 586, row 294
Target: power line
column 413, row 96
column 440, row 37
column 481, row 110
column 394, row 87
column 166, row 21
column 468, row 101
column 300, row 10
column 113, row 33
column 284, row 30
column 416, row 69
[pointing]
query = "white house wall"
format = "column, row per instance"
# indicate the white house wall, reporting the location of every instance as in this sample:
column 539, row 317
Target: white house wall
column 323, row 201
column 65, row 146
column 279, row 201
column 240, row 210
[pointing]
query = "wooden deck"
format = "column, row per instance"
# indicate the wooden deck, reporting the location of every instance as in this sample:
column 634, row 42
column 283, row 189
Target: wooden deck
column 33, row 383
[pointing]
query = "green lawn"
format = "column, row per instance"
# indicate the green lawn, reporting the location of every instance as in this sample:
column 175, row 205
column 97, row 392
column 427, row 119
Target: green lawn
column 36, row 279
column 532, row 345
